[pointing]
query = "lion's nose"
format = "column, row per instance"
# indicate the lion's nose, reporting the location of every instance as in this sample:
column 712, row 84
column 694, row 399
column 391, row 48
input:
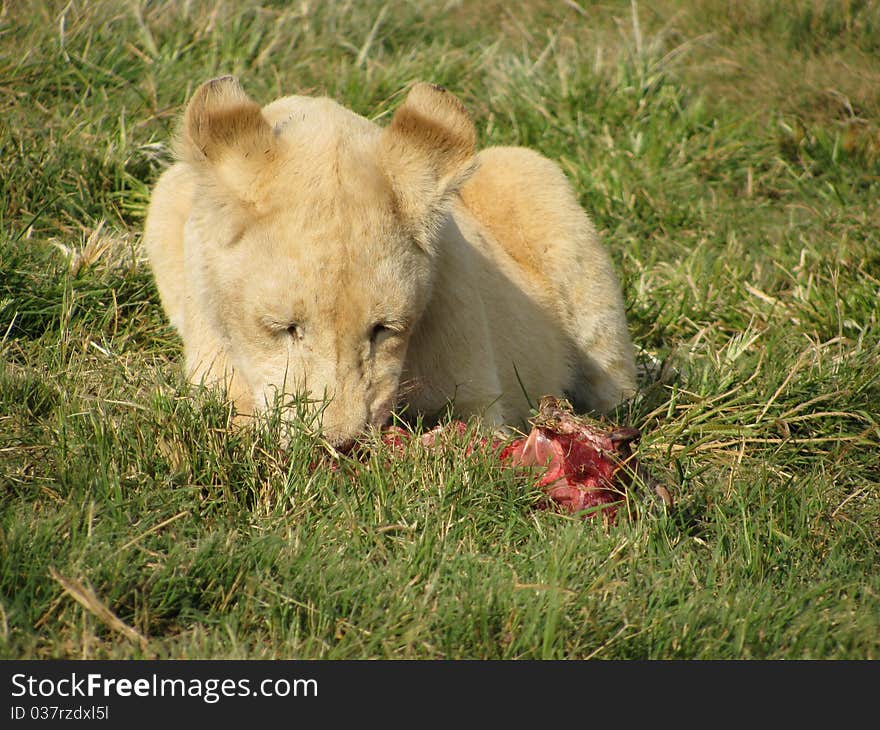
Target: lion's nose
column 342, row 434
column 343, row 422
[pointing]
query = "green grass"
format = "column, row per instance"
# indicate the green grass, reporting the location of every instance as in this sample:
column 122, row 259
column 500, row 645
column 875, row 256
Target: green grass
column 730, row 154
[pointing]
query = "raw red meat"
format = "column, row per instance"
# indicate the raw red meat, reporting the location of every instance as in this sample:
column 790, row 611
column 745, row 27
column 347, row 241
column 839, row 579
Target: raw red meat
column 587, row 469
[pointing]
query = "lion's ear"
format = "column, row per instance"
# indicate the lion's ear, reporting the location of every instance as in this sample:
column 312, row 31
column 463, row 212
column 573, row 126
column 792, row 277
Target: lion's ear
column 225, row 134
column 428, row 151
column 221, row 119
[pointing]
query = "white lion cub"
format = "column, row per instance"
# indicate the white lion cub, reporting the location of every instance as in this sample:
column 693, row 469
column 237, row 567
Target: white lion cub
column 301, row 249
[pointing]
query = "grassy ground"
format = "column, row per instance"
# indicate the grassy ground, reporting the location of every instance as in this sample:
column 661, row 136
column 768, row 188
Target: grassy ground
column 729, row 152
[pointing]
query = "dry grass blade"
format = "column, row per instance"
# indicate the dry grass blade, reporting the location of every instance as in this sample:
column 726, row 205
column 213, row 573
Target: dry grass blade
column 87, row 598
column 154, row 528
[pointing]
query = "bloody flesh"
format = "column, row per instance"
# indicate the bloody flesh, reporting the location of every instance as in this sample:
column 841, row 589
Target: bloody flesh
column 582, row 467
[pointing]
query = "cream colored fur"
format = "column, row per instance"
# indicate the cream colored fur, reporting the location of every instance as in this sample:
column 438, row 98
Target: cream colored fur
column 300, row 248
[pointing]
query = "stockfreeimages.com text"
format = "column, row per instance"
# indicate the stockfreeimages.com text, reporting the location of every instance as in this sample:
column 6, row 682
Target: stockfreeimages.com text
column 209, row 690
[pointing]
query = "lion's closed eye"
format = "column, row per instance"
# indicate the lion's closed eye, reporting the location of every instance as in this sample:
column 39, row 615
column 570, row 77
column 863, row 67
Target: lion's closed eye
column 382, row 332
column 379, row 333
column 278, row 327
column 295, row 330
